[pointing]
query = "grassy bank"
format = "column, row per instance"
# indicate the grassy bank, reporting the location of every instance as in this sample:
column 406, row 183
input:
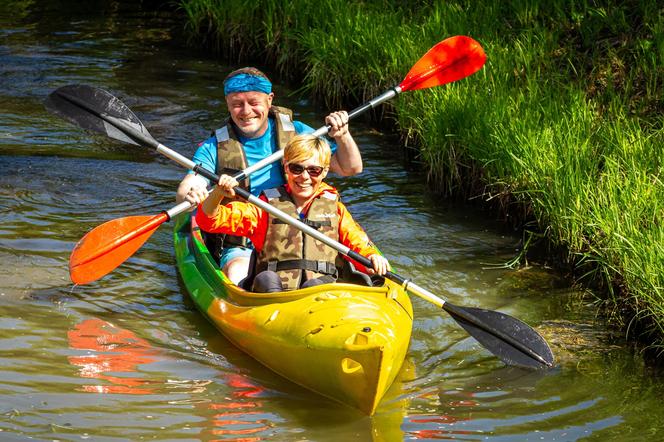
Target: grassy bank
column 563, row 125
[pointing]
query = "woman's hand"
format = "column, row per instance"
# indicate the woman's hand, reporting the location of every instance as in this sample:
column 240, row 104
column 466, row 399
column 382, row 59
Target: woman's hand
column 223, row 189
column 225, row 186
column 380, row 264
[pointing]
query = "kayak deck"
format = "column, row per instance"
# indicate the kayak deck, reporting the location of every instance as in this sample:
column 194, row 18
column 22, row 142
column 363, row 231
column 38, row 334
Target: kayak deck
column 344, row 341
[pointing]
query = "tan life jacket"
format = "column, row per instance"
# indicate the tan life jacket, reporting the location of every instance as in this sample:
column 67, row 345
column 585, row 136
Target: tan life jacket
column 295, row 256
column 232, row 159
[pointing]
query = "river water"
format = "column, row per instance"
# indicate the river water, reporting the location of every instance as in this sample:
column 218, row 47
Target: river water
column 129, row 358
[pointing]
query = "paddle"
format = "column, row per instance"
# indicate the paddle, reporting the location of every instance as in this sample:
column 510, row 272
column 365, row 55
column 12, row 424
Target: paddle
column 94, row 109
column 112, row 243
column 512, row 340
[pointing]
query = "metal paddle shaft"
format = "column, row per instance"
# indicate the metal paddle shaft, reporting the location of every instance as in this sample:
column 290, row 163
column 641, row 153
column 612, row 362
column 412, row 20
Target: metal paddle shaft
column 96, row 109
column 512, row 340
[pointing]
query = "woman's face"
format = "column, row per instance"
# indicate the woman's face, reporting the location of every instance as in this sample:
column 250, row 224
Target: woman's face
column 301, row 179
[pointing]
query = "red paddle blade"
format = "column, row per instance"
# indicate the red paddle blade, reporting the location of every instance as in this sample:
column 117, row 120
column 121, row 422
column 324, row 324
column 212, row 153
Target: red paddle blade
column 450, row 60
column 107, row 246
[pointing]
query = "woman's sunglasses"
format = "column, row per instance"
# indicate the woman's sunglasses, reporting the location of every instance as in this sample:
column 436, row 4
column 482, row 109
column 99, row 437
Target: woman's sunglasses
column 298, row 169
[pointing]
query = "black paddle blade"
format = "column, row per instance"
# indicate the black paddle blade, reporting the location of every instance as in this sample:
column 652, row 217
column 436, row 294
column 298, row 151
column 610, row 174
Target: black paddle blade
column 512, row 340
column 97, row 110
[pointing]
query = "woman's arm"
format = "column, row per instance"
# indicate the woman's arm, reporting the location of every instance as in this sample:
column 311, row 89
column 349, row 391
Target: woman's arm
column 235, row 218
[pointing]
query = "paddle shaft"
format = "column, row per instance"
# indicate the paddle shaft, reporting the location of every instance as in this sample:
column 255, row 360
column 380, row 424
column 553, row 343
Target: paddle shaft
column 146, row 139
column 406, row 283
column 276, row 156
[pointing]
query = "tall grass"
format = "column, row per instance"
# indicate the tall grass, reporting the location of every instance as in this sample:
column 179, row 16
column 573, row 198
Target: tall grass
column 562, row 126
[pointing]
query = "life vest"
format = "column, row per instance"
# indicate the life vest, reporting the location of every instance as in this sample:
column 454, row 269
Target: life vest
column 232, row 159
column 295, row 256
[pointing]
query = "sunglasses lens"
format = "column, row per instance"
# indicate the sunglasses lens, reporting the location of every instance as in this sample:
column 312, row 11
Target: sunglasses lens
column 295, row 169
column 314, row 171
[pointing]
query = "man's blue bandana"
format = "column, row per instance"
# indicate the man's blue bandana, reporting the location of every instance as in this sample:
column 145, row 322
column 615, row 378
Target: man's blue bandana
column 247, row 83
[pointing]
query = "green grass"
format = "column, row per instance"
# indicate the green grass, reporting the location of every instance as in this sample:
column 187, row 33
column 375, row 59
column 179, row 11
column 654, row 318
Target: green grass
column 562, row 126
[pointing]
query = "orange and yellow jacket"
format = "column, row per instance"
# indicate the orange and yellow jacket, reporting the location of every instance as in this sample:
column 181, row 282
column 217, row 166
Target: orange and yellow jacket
column 244, row 219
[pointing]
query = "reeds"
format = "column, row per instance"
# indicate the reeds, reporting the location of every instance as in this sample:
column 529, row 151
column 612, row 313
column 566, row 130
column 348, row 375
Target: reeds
column 563, row 125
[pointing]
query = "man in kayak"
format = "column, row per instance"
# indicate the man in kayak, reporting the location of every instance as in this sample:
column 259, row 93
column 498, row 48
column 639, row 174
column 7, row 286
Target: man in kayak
column 287, row 259
column 255, row 130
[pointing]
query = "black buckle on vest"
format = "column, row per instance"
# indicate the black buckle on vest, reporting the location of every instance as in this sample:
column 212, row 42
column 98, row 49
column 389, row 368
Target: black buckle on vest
column 313, row 224
column 325, row 268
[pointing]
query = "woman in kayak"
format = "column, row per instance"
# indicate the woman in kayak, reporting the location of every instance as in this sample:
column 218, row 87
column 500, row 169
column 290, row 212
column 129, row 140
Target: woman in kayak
column 286, row 258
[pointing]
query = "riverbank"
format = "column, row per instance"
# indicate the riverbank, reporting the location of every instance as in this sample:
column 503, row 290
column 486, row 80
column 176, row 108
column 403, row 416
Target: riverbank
column 562, row 129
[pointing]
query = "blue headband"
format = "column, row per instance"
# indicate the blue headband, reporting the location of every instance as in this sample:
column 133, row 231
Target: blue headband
column 247, row 83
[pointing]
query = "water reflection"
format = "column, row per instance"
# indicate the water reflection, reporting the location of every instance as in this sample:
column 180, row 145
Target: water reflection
column 443, row 425
column 240, row 417
column 111, row 350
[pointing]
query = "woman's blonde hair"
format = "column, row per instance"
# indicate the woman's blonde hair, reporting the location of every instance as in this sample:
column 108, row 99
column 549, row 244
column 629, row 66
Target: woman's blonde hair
column 303, row 147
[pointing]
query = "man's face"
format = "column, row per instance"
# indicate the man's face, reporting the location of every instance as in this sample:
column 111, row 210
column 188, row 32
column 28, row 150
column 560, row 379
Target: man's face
column 249, row 111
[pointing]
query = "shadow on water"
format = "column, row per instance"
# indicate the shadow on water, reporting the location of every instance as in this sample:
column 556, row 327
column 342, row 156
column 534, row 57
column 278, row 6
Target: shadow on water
column 127, row 357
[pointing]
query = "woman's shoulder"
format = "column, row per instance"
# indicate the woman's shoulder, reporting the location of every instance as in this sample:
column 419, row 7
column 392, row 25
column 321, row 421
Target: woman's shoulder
column 328, row 191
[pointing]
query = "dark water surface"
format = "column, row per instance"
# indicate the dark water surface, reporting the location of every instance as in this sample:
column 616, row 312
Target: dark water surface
column 128, row 358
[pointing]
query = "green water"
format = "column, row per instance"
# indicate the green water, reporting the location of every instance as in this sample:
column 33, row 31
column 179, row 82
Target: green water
column 129, row 358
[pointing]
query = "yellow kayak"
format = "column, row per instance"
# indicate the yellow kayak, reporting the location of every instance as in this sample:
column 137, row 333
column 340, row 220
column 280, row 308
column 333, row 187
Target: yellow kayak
column 344, row 341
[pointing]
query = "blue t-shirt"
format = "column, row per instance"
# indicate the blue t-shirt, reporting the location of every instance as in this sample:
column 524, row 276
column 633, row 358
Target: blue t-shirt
column 255, row 149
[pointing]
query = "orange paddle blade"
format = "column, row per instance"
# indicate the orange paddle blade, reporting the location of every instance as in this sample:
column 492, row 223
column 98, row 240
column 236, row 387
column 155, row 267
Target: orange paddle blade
column 450, row 60
column 107, row 246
